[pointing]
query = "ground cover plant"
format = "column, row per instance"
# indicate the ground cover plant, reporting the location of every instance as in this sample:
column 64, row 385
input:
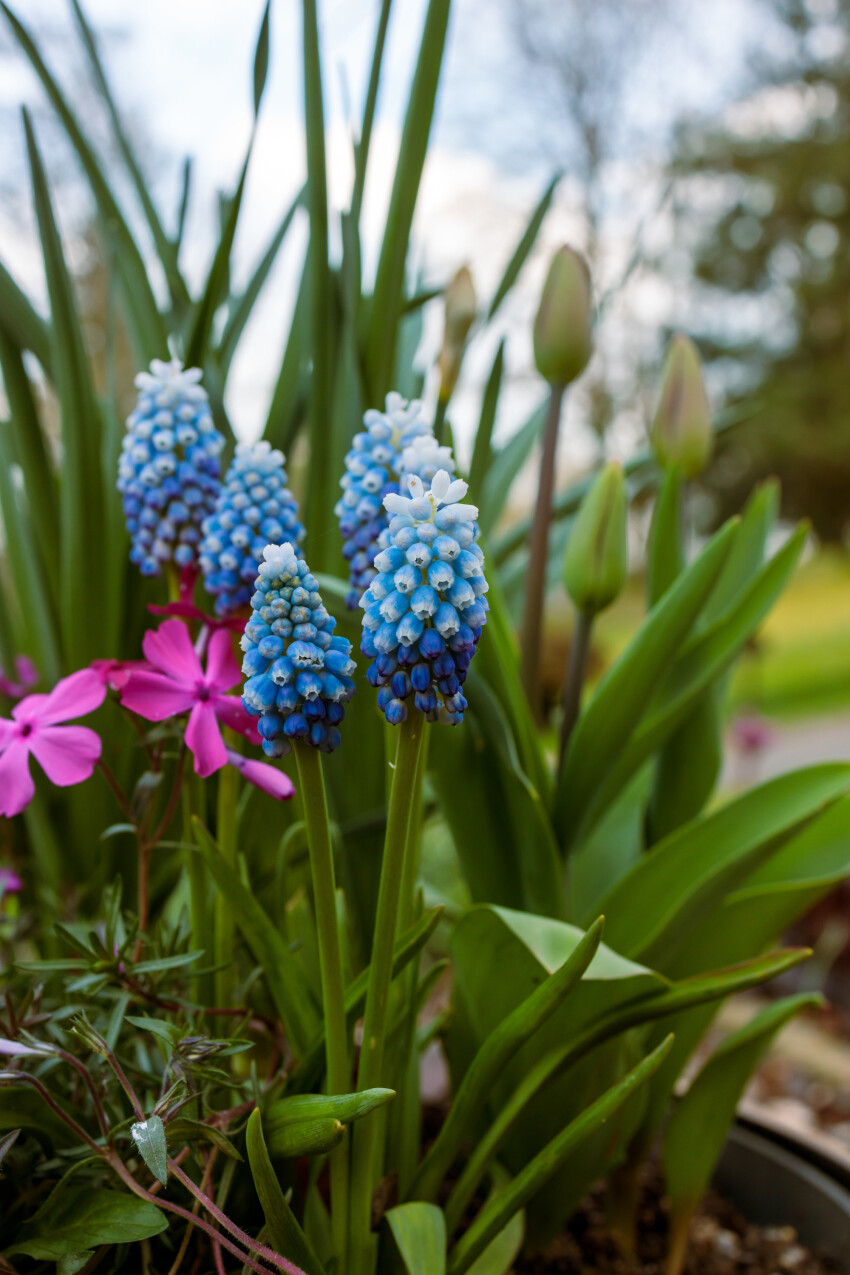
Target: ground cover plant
column 248, row 699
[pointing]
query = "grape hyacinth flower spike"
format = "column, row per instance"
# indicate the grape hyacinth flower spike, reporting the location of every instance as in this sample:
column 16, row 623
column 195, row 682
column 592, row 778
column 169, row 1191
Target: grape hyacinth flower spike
column 372, row 470
column 169, row 470
column 254, row 508
column 424, row 611
column 298, row 673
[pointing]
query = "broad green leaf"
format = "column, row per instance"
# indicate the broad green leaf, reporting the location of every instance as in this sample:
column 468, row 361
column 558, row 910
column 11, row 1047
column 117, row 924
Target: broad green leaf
column 419, row 1231
column 702, row 660
column 23, row 324
column 496, row 1051
column 285, row 1233
column 499, row 1255
column 687, row 768
column 523, row 249
column 494, row 1216
column 654, row 908
column 697, row 1129
column 149, row 1137
column 482, row 453
column 80, row 589
column 164, row 247
column 73, row 1262
column 387, row 300
column 281, row 969
column 620, row 700
column 147, row 324
column 75, row 1216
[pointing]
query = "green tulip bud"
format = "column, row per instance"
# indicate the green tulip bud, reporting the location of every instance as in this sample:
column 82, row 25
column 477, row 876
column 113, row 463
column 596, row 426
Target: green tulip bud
column 304, row 1137
column 460, row 310
column 563, row 337
column 681, row 431
column 596, row 560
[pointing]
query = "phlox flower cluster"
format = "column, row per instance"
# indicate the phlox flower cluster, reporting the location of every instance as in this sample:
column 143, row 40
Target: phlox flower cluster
column 424, row 611
column 254, row 508
column 298, row 673
column 169, row 470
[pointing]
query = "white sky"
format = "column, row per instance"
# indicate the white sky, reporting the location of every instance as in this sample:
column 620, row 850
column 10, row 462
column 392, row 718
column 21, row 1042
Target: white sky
column 183, row 69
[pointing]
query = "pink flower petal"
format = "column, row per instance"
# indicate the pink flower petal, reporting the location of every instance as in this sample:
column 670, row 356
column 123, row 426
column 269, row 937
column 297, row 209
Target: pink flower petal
column 74, row 696
column 261, row 775
column 10, row 882
column 222, row 666
column 66, row 754
column 169, row 648
column 155, row 696
column 6, row 731
column 16, row 786
column 115, row 673
column 203, row 737
column 228, row 709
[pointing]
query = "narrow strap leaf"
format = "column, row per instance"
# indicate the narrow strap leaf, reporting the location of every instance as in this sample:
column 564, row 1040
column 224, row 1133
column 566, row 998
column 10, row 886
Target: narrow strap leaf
column 523, row 249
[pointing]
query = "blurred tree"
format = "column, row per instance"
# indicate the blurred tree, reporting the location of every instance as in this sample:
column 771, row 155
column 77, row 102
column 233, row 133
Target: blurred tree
column 765, row 205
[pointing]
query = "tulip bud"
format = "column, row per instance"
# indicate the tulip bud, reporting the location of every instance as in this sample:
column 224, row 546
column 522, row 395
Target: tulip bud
column 460, row 306
column 596, row 560
column 681, row 431
column 563, row 337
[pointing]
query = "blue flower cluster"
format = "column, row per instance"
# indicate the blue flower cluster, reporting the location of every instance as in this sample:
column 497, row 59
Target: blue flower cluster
column 169, row 470
column 254, row 508
column 372, row 471
column 299, row 674
column 425, row 609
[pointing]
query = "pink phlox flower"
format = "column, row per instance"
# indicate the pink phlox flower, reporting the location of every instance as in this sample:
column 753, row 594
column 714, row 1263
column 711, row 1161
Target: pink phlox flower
column 261, row 775
column 66, row 754
column 10, row 882
column 188, row 611
column 27, row 677
column 116, row 673
column 175, row 682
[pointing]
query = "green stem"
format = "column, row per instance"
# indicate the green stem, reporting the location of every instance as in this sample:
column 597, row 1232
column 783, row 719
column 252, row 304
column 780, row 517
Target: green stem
column 440, row 419
column 576, row 670
column 365, row 1165
column 193, row 804
column 315, row 806
column 532, row 629
column 225, row 831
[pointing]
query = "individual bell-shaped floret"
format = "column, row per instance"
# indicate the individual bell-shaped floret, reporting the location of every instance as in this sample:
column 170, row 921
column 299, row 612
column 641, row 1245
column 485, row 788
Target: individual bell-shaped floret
column 170, row 466
column 424, row 611
column 254, row 508
column 298, row 675
column 372, row 470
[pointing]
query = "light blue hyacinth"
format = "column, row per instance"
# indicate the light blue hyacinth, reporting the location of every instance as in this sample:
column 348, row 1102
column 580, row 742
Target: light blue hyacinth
column 373, row 468
column 254, row 508
column 170, row 466
column 298, row 674
column 424, row 611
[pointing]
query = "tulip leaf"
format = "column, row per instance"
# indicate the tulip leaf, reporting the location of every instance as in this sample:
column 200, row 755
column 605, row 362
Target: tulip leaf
column 653, row 909
column 698, row 1126
column 504, row 466
column 23, row 323
column 149, row 1137
column 419, row 1231
column 499, row 1255
column 619, row 702
column 495, row 1214
column 482, row 453
column 282, row 971
column 523, row 249
column 284, row 1232
column 75, row 1217
column 496, row 1051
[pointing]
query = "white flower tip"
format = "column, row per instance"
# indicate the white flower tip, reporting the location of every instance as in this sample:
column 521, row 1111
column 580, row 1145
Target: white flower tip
column 454, row 491
column 281, row 559
column 415, row 486
column 395, row 504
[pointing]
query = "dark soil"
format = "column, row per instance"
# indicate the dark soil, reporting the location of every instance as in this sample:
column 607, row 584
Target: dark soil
column 722, row 1243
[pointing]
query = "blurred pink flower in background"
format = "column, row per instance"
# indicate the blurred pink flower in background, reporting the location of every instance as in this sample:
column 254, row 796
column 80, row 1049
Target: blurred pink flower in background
column 175, row 682
column 27, row 677
column 66, row 754
column 10, row 882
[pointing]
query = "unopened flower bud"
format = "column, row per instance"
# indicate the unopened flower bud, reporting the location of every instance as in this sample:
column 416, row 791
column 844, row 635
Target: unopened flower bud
column 563, row 338
column 596, row 561
column 681, row 430
column 460, row 306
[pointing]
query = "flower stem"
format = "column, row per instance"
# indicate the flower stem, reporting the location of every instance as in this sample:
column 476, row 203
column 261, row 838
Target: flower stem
column 225, row 831
column 532, row 629
column 576, row 670
column 193, row 795
column 315, row 806
column 365, row 1166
